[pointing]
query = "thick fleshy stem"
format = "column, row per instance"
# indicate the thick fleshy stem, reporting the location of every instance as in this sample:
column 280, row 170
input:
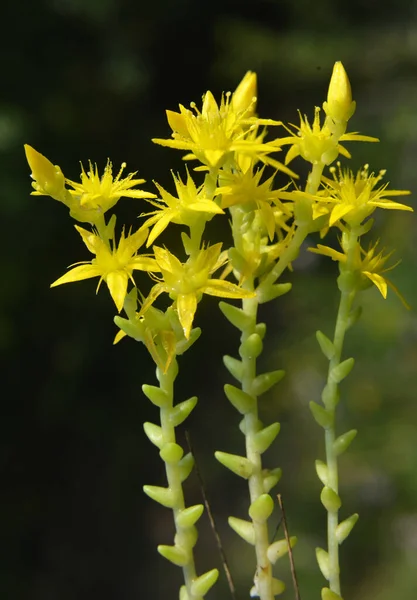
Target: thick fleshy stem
column 328, row 473
column 304, row 227
column 177, row 468
column 250, row 348
column 257, row 440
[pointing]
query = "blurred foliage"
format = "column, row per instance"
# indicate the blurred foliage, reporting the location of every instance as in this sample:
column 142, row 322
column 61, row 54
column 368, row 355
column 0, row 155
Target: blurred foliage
column 88, row 79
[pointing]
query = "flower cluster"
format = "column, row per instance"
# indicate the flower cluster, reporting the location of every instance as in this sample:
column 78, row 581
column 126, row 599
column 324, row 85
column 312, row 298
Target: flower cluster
column 228, row 142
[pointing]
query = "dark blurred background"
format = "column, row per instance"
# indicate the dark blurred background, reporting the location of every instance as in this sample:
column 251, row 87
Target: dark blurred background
column 91, row 79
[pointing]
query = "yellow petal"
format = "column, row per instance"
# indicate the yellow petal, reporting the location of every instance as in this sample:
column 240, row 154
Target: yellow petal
column 245, row 94
column 166, row 260
column 177, row 123
column 91, row 240
column 327, row 251
column 339, row 211
column 186, row 307
column 144, row 263
column 117, row 284
column 157, row 289
column 379, row 281
column 163, row 219
column 119, row 336
column 390, row 204
column 78, row 274
column 225, row 289
column 205, row 206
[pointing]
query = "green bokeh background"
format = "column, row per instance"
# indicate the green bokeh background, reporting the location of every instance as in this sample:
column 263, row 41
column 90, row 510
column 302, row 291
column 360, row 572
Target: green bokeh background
column 88, row 79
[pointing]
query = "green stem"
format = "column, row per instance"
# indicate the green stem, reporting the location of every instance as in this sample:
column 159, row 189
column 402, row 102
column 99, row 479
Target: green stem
column 256, row 487
column 172, row 469
column 304, row 226
column 314, row 178
column 342, row 323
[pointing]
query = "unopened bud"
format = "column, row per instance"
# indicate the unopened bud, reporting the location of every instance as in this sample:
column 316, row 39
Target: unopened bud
column 339, row 105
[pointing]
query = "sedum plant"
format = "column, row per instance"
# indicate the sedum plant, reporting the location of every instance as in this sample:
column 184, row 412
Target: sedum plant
column 235, row 168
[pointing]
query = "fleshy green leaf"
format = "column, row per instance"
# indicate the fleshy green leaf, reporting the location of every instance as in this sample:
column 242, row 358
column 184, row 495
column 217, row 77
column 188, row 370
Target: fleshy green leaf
column 261, row 509
column 345, row 527
column 187, row 517
column 185, row 466
column 260, row 329
column 251, row 347
column 154, row 434
column 338, row 373
column 327, row 594
column 330, row 500
column 237, row 317
column 326, row 345
column 239, row 465
column 322, row 472
column 243, row 402
column 202, row 584
column 278, row 549
column 234, row 366
column 171, row 453
column 263, row 383
column 157, row 396
column 181, row 411
column 164, row 496
column 322, row 416
column 264, row 438
column 178, row 556
column 268, row 293
column 243, row 528
column 271, row 478
column 343, row 441
column 323, row 561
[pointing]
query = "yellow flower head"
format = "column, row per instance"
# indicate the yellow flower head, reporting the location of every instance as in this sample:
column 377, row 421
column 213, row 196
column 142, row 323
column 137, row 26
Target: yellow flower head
column 354, row 197
column 89, row 199
column 247, row 190
column 368, row 265
column 191, row 205
column 316, row 143
column 48, row 178
column 154, row 329
column 213, row 134
column 95, row 195
column 339, row 106
column 113, row 264
column 187, row 282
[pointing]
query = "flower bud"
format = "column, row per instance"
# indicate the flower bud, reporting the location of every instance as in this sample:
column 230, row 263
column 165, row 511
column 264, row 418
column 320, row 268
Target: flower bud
column 339, row 105
column 48, row 178
column 245, row 94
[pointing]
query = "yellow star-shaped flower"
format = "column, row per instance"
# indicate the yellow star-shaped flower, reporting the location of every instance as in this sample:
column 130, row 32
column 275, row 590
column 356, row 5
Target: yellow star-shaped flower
column 186, row 283
column 353, row 198
column 190, row 205
column 113, row 264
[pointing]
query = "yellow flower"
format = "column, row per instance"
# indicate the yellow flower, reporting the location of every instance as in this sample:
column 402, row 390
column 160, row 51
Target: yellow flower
column 154, row 329
column 245, row 189
column 95, row 195
column 113, row 264
column 214, row 134
column 354, row 197
column 89, row 199
column 186, row 283
column 190, row 205
column 48, row 178
column 368, row 264
column 316, row 143
column 339, row 106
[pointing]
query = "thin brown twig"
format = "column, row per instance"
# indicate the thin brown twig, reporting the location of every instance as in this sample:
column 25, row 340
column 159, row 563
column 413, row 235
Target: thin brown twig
column 212, row 522
column 287, row 537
